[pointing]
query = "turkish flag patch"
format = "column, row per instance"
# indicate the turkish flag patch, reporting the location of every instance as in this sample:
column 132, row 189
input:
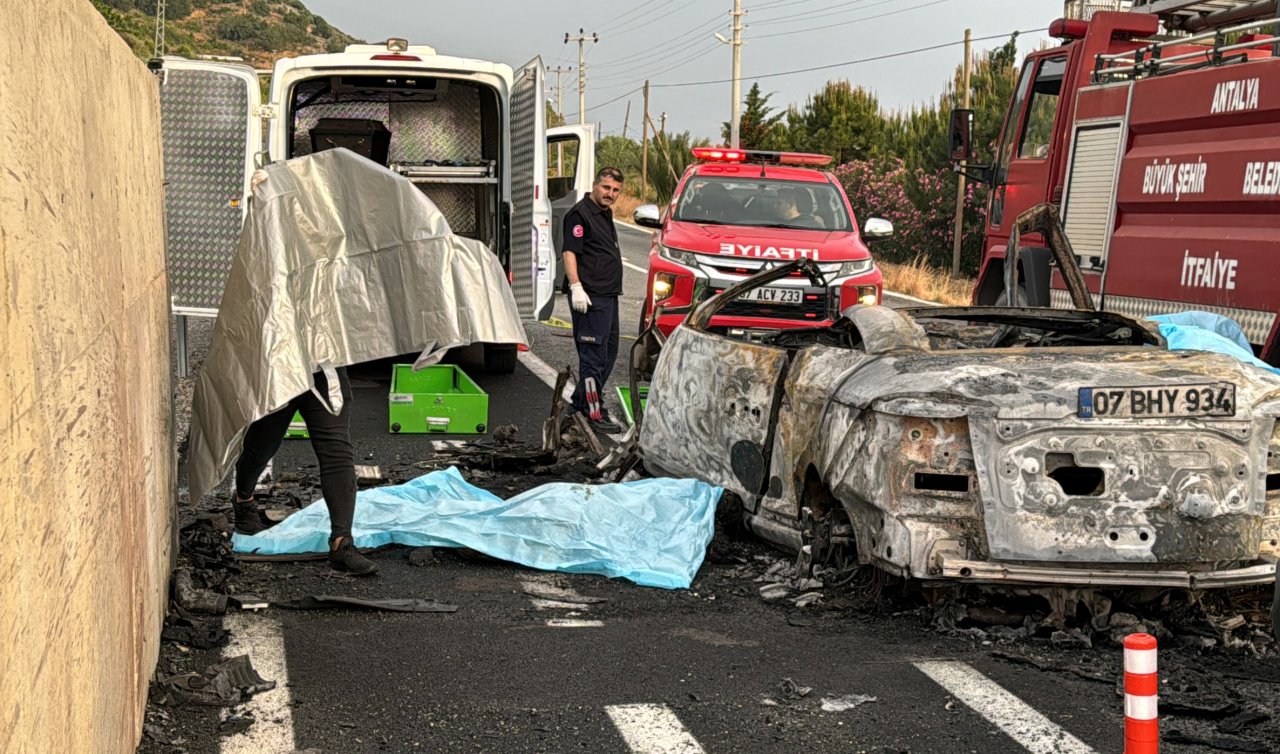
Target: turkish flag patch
column 577, row 231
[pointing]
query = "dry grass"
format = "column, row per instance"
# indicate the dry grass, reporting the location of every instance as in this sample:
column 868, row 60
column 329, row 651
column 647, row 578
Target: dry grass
column 625, row 206
column 922, row 280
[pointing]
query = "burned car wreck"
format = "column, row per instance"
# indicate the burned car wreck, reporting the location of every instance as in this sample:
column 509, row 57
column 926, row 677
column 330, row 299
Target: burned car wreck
column 980, row 444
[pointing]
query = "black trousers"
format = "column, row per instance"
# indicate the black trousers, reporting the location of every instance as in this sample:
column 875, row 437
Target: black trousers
column 330, row 440
column 595, row 333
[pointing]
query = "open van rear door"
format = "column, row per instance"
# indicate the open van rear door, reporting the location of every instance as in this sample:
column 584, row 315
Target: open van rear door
column 211, row 129
column 532, row 261
column 571, row 169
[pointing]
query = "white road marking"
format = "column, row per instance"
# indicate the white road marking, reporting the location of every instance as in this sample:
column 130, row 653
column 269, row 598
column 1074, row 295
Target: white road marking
column 910, row 299
column 541, row 604
column 261, row 638
column 635, row 267
column 546, row 594
column 652, row 729
column 1032, row 730
column 543, row 371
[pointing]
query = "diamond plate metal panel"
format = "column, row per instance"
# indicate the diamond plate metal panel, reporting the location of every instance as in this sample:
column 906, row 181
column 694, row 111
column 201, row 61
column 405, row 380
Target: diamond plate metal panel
column 1256, row 324
column 524, row 105
column 447, row 129
column 457, row 202
column 203, row 117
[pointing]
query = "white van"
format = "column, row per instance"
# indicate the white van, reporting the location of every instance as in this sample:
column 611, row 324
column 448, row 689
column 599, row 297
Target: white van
column 470, row 133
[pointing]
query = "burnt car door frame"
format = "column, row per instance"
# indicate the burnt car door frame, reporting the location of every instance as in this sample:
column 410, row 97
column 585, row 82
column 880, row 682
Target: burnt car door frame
column 747, row 473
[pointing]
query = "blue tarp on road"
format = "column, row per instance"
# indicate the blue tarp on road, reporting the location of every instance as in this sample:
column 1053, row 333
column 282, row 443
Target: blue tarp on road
column 1205, row 331
column 652, row 531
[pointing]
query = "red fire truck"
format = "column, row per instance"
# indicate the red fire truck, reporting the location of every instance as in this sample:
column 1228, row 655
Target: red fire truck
column 1157, row 132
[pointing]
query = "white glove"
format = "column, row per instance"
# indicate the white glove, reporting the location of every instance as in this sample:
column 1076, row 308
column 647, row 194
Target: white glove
column 578, row 297
column 257, row 179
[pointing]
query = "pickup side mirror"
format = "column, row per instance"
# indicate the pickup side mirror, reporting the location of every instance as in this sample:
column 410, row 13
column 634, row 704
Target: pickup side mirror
column 877, row 228
column 647, row 216
column 960, row 135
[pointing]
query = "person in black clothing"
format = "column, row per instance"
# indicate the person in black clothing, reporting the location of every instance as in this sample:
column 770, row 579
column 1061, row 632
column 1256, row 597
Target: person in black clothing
column 593, row 268
column 331, row 441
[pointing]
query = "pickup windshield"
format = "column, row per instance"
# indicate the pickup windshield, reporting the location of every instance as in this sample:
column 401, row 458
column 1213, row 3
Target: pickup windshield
column 763, row 203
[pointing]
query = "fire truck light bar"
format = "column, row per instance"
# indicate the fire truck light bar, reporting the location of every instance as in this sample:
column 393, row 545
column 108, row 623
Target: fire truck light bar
column 717, row 154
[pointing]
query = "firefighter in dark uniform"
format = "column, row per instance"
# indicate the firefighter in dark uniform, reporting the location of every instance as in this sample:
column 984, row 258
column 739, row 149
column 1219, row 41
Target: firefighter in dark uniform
column 593, row 269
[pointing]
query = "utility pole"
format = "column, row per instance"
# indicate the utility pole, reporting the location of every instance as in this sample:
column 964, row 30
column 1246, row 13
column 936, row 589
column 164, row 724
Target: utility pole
column 960, row 193
column 644, row 146
column 582, row 39
column 159, row 43
column 662, row 128
column 559, row 71
column 735, row 122
column 625, row 119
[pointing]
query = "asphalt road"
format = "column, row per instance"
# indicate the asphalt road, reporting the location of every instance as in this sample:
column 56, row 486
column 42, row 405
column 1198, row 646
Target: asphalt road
column 645, row 670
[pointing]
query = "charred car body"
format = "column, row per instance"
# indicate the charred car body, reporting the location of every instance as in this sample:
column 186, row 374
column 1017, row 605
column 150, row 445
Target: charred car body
column 982, row 444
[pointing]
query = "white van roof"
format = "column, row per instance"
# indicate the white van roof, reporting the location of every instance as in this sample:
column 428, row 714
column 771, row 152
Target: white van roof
column 363, row 56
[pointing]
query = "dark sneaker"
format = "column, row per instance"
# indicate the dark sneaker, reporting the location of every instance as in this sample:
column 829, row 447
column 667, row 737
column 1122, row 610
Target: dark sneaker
column 247, row 518
column 347, row 558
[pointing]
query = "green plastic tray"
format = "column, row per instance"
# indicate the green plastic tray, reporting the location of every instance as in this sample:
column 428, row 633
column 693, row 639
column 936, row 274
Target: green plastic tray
column 624, row 397
column 297, row 428
column 440, row 398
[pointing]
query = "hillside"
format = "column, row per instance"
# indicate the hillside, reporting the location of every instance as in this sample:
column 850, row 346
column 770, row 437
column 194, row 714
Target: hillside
column 259, row 31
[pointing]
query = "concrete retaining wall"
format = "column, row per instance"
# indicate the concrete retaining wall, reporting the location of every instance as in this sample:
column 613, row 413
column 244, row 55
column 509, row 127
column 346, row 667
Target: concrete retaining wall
column 87, row 467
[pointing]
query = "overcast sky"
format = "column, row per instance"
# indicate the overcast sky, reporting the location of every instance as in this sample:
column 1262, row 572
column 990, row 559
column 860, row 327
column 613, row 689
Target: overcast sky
column 672, row 42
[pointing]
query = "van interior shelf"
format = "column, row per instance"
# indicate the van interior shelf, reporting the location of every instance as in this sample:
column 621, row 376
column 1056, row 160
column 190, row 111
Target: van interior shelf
column 447, row 172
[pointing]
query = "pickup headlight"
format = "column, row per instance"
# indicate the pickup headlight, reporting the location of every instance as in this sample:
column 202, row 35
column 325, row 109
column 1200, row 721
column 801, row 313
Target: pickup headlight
column 686, row 258
column 857, row 267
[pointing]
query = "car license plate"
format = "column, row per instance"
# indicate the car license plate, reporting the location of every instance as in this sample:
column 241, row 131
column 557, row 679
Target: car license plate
column 1215, row 399
column 776, row 295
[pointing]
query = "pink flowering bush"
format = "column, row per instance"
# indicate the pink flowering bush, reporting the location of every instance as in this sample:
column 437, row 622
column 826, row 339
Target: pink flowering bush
column 921, row 206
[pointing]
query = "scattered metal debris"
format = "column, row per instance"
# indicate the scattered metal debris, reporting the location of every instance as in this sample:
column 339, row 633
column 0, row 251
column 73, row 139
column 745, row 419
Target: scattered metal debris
column 195, row 600
column 845, row 703
column 368, row 475
column 786, row 692
column 224, row 684
column 399, row 605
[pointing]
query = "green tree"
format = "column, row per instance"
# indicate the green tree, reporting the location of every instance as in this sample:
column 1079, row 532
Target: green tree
column 669, row 156
column 842, row 120
column 760, row 126
column 554, row 120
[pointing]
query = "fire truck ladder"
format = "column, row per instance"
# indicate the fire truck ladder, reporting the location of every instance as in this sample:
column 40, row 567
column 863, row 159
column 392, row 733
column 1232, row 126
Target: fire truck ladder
column 1218, row 26
column 1203, row 15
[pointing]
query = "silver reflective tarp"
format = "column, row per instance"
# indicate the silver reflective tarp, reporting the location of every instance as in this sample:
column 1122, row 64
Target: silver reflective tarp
column 341, row 261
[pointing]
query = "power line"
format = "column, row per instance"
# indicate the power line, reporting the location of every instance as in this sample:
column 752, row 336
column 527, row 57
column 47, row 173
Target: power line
column 851, row 21
column 678, row 64
column 630, row 75
column 872, row 59
column 656, row 18
column 615, row 99
column 612, row 23
column 766, row 6
column 661, row 50
column 823, row 12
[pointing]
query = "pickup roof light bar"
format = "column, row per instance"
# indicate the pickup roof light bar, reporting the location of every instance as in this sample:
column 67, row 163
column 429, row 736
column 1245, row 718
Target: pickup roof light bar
column 719, row 154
